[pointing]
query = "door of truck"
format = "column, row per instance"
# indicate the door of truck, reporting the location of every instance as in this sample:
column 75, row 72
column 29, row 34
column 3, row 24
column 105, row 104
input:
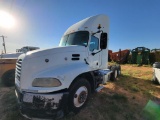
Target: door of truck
column 94, row 53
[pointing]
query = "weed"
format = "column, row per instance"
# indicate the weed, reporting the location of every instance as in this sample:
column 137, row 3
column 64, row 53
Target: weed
column 151, row 92
column 133, row 97
column 147, row 65
column 135, row 65
column 112, row 63
column 129, row 116
column 148, row 93
column 134, row 88
column 119, row 97
column 10, row 106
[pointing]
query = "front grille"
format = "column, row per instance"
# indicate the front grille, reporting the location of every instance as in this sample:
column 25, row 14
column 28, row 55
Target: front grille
column 18, row 68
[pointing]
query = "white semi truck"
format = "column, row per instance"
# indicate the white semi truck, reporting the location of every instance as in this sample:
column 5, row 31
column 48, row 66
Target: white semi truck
column 53, row 81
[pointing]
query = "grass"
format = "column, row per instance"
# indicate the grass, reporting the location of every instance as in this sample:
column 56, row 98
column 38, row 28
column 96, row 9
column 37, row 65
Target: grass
column 8, row 104
column 123, row 99
column 134, row 88
column 11, row 107
column 119, row 97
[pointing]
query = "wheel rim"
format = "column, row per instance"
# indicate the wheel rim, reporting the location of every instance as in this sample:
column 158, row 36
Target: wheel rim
column 80, row 96
column 115, row 74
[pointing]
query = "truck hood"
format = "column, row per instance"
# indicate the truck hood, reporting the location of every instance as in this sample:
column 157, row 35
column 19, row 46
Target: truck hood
column 55, row 50
column 53, row 61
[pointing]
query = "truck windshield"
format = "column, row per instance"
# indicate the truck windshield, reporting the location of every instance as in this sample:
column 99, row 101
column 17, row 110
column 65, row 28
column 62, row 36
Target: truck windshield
column 76, row 38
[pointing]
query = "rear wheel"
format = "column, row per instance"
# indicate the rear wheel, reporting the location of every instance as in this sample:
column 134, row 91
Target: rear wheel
column 114, row 74
column 79, row 93
column 118, row 70
column 8, row 78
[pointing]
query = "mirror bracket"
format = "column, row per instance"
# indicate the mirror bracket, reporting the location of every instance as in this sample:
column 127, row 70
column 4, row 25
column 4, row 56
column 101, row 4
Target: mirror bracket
column 96, row 52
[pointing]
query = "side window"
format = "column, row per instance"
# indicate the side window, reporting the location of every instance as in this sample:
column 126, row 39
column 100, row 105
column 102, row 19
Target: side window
column 94, row 43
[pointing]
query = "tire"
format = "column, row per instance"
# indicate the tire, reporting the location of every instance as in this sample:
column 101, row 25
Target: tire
column 8, row 78
column 156, row 65
column 154, row 79
column 79, row 93
column 118, row 70
column 114, row 74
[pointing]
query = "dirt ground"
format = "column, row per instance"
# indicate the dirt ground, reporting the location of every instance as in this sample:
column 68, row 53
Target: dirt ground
column 124, row 99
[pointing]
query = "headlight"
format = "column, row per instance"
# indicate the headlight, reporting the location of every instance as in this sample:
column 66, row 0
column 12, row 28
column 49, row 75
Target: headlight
column 46, row 82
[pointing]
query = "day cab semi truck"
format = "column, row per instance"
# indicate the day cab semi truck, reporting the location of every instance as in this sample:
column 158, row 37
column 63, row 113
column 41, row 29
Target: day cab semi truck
column 52, row 81
column 8, row 65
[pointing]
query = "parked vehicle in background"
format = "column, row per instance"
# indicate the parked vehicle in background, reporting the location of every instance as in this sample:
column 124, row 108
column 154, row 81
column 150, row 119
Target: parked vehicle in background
column 52, row 81
column 26, row 49
column 8, row 64
column 18, row 52
column 154, row 56
column 120, row 57
column 140, row 55
column 156, row 73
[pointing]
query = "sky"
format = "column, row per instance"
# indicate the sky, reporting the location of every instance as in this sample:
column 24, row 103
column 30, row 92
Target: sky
column 41, row 23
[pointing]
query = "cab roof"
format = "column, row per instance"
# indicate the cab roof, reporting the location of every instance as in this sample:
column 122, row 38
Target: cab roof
column 90, row 24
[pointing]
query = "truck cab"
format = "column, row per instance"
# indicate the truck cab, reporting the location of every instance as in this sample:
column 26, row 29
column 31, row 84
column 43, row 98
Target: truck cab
column 52, row 81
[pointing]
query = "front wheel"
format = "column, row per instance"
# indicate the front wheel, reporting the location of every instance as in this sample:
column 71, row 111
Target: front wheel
column 79, row 93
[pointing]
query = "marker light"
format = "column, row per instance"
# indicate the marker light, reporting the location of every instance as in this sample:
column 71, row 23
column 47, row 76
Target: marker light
column 99, row 26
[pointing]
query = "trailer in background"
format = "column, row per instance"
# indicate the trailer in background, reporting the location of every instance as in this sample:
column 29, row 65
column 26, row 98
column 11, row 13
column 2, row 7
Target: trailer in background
column 120, row 57
column 8, row 64
column 7, row 70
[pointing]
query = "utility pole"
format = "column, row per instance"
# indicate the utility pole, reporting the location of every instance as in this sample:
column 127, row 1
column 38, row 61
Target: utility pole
column 3, row 43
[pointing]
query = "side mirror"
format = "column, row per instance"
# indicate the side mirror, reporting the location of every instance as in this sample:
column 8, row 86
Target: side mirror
column 103, row 41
